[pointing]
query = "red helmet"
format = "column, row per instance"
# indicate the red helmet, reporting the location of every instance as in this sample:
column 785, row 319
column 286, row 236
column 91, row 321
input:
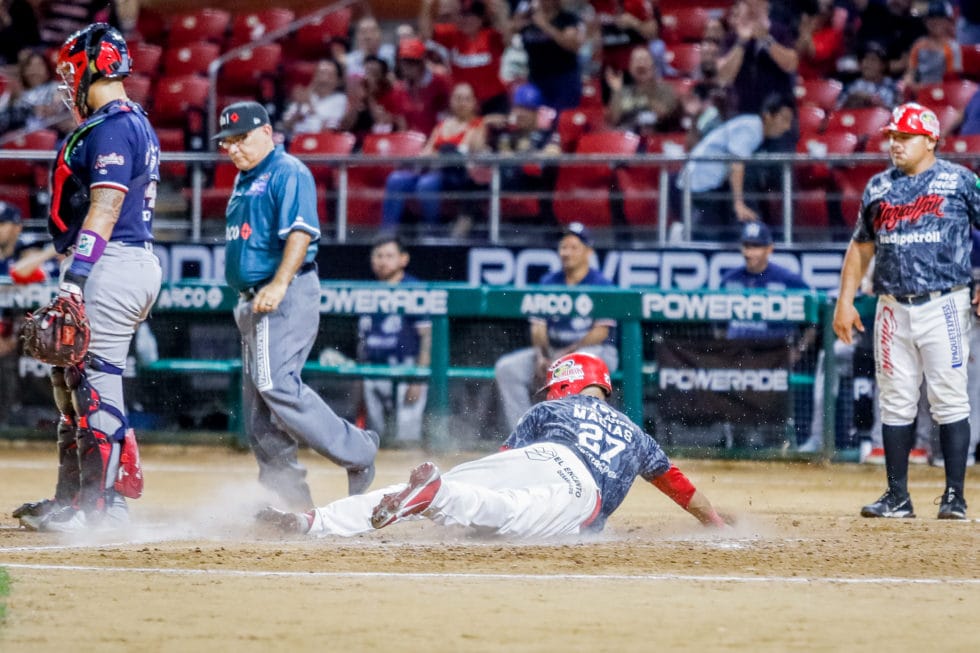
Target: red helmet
column 572, row 373
column 90, row 54
column 913, row 118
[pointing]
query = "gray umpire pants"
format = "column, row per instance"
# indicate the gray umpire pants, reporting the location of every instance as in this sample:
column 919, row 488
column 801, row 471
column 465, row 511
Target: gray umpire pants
column 280, row 411
column 515, row 375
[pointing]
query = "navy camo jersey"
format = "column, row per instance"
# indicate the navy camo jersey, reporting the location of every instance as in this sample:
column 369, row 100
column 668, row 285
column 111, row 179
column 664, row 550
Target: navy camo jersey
column 920, row 225
column 391, row 338
column 614, row 449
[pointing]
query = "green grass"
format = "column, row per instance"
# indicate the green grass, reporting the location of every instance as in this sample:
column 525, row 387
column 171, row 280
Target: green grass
column 4, row 591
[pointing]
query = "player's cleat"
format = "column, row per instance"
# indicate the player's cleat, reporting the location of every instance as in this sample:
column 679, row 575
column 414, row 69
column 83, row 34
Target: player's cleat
column 919, row 457
column 63, row 520
column 34, row 508
column 423, row 485
column 287, row 522
column 889, row 505
column 875, row 456
column 952, row 505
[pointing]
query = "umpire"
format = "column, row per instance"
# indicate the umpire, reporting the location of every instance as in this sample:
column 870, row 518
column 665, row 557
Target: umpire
column 272, row 234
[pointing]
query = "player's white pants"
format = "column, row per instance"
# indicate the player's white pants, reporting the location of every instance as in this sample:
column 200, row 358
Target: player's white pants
column 539, row 491
column 930, row 339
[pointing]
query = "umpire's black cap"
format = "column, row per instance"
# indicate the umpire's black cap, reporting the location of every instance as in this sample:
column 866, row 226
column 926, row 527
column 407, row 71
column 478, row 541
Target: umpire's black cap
column 241, row 118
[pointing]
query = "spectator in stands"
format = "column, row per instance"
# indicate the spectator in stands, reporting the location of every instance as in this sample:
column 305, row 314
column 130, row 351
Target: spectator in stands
column 702, row 112
column 552, row 38
column 720, row 196
column 874, row 88
column 642, row 100
column 453, row 137
column 820, row 42
column 759, row 273
column 892, row 25
column 60, row 18
column 368, row 42
column 124, row 16
column 969, row 120
column 520, row 135
column 394, row 339
column 475, row 45
column 370, row 100
column 619, row 26
column 18, row 29
column 710, row 54
column 421, row 95
column 762, row 59
column 36, row 104
column 320, row 106
column 968, row 26
column 936, row 54
column 520, row 373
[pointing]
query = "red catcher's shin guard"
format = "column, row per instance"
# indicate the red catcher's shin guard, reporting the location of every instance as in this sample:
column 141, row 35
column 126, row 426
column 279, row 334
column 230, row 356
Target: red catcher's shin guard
column 94, row 450
column 66, row 491
column 129, row 481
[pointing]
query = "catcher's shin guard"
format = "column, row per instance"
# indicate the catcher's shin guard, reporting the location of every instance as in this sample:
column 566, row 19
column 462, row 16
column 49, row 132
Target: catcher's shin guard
column 66, row 490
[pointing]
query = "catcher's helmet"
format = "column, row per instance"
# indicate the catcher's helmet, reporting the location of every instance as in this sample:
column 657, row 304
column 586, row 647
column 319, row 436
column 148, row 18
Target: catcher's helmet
column 572, row 373
column 90, row 54
column 913, row 118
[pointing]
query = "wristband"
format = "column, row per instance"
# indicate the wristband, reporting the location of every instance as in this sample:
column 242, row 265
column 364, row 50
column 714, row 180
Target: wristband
column 88, row 251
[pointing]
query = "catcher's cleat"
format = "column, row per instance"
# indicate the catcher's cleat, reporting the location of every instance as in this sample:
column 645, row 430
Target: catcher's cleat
column 34, row 508
column 889, row 505
column 287, row 522
column 423, row 485
column 952, row 505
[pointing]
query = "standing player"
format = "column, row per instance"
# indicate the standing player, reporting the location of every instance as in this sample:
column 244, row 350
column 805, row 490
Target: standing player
column 392, row 339
column 915, row 220
column 563, row 471
column 272, row 238
column 103, row 195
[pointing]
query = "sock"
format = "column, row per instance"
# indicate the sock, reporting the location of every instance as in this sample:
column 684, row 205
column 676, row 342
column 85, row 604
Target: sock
column 955, row 441
column 898, row 442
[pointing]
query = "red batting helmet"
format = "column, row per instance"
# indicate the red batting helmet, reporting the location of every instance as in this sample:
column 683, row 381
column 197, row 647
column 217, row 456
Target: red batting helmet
column 90, row 54
column 572, row 373
column 913, row 118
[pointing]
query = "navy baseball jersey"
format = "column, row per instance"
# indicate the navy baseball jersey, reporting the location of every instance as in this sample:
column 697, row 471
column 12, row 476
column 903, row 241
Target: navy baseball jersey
column 390, row 338
column 564, row 330
column 774, row 278
column 114, row 148
column 920, row 225
column 614, row 449
column 268, row 202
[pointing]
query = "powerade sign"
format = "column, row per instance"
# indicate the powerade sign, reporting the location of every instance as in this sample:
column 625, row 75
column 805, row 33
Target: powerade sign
column 720, row 306
column 369, row 301
column 724, row 380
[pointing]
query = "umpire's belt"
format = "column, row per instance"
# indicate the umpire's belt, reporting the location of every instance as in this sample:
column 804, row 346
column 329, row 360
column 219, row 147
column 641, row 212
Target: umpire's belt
column 916, row 300
column 249, row 293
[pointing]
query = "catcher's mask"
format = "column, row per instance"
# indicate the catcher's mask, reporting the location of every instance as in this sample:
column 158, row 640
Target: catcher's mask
column 90, row 54
column 572, row 373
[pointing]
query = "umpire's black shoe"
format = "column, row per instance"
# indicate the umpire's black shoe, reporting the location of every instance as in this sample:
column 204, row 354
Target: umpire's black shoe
column 889, row 505
column 952, row 505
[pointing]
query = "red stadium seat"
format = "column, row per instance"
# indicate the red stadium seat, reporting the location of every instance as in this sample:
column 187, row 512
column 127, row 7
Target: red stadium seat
column 582, row 191
column 29, row 172
column 948, row 115
column 214, row 199
column 573, row 123
column 254, row 25
column 179, row 100
column 955, row 93
column 685, row 58
column 145, row 58
column 247, row 73
column 312, row 41
column 152, row 26
column 816, row 180
column 641, row 184
column 18, row 195
column 591, row 94
column 190, row 59
column 864, row 122
column 964, row 145
column 819, row 92
column 812, row 119
column 366, row 184
column 297, row 73
column 325, row 174
column 685, row 23
column 172, row 140
column 138, row 89
column 971, row 61
column 208, row 24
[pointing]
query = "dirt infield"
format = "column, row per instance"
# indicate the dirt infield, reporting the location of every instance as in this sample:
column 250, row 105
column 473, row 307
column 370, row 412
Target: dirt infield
column 800, row 572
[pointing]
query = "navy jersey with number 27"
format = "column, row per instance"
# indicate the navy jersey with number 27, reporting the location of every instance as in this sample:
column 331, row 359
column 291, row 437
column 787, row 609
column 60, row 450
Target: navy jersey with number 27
column 614, row 449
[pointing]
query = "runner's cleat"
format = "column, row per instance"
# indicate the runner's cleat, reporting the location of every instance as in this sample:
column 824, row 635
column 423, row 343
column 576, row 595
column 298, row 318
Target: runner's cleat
column 423, row 485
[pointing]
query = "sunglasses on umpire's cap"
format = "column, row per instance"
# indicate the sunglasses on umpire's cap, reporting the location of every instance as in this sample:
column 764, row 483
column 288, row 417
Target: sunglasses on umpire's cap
column 241, row 118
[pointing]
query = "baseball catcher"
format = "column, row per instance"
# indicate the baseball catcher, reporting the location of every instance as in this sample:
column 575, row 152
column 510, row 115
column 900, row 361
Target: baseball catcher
column 103, row 196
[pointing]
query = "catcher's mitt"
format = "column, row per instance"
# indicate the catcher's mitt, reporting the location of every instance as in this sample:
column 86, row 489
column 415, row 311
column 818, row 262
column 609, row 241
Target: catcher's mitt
column 57, row 334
